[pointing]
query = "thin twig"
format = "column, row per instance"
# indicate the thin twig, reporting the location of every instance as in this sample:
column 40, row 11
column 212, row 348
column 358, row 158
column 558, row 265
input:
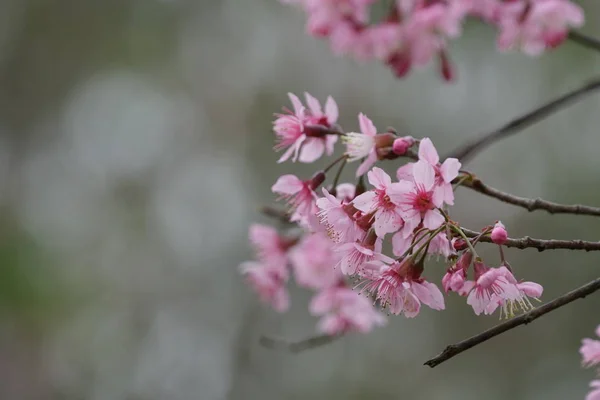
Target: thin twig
column 539, row 244
column 298, row 346
column 585, row 40
column 530, row 204
column 468, row 150
column 457, row 348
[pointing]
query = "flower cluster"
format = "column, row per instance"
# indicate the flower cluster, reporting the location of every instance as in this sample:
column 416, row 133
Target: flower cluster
column 338, row 250
column 413, row 32
column 590, row 353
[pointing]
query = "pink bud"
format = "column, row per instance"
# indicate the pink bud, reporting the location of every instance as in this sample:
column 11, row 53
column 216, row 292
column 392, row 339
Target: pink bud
column 499, row 234
column 401, row 145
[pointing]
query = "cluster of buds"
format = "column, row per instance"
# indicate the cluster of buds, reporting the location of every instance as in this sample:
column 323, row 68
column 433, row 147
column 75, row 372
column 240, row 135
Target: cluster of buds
column 337, row 230
column 413, row 32
column 590, row 353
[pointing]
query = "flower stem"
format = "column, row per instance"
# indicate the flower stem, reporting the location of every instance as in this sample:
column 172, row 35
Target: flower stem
column 462, row 234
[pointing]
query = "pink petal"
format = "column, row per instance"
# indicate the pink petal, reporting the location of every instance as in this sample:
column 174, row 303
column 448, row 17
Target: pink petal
column 397, row 191
column 322, row 302
column 330, row 141
column 429, row 294
column 367, row 164
column 531, row 289
column 450, row 169
column 365, row 202
column 311, row 150
column 412, row 305
column 428, row 152
column 478, row 302
column 386, row 222
column 439, row 194
column 405, row 172
column 366, row 125
column 288, row 184
column 331, row 110
column 424, row 174
column 433, row 219
column 378, row 178
column 400, row 244
column 313, row 104
column 448, row 193
column 298, row 107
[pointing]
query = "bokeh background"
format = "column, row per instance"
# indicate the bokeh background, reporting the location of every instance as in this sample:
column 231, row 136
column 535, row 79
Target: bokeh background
column 135, row 149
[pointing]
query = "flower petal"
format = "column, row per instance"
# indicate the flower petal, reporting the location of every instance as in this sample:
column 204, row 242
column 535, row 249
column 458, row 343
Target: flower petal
column 366, row 125
column 288, row 184
column 428, row 152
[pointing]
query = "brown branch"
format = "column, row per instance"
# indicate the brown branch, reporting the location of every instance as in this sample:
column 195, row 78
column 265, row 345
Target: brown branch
column 539, row 244
column 585, row 40
column 298, row 346
column 457, row 348
column 464, row 152
column 529, row 204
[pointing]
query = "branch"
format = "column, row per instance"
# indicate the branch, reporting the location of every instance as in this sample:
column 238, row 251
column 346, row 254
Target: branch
column 529, row 204
column 539, row 244
column 470, row 148
column 299, row 346
column 455, row 349
column 585, row 41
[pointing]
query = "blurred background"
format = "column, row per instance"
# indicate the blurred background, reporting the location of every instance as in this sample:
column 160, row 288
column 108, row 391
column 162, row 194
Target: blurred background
column 135, row 149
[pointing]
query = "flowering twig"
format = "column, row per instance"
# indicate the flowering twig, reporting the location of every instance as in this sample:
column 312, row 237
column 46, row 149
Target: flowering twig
column 298, row 346
column 529, row 204
column 539, row 244
column 585, row 40
column 457, row 348
column 464, row 152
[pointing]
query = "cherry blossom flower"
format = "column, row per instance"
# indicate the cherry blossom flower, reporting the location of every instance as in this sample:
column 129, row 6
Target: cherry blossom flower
column 355, row 255
column 313, row 260
column 537, row 25
column 420, row 199
column 336, row 216
column 292, row 130
column 595, row 393
column 444, row 173
column 268, row 283
column 590, row 351
column 271, row 248
column 399, row 287
column 492, row 287
column 456, row 276
column 361, row 145
column 386, row 213
column 298, row 193
column 499, row 234
column 344, row 310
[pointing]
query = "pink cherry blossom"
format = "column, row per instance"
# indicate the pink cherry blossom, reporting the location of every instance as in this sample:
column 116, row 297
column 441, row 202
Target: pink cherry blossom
column 270, row 247
column 499, row 234
column 344, row 310
column 336, row 216
column 313, row 260
column 419, row 199
column 268, row 283
column 444, row 173
column 361, row 145
column 345, row 192
column 298, row 193
column 325, row 16
column 590, row 351
column 537, row 25
column 492, row 287
column 595, row 393
column 401, row 289
column 386, row 213
column 456, row 276
column 291, row 129
column 355, row 255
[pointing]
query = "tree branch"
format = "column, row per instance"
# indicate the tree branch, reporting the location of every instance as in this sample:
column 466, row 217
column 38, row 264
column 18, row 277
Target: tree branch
column 457, row 348
column 539, row 244
column 464, row 152
column 529, row 204
column 585, row 40
column 298, row 346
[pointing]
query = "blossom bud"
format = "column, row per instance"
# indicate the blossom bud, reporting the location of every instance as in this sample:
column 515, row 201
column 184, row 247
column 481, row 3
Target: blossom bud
column 499, row 234
column 460, row 244
column 401, row 145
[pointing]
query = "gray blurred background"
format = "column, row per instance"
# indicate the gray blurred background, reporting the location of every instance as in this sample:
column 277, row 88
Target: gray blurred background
column 135, row 149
